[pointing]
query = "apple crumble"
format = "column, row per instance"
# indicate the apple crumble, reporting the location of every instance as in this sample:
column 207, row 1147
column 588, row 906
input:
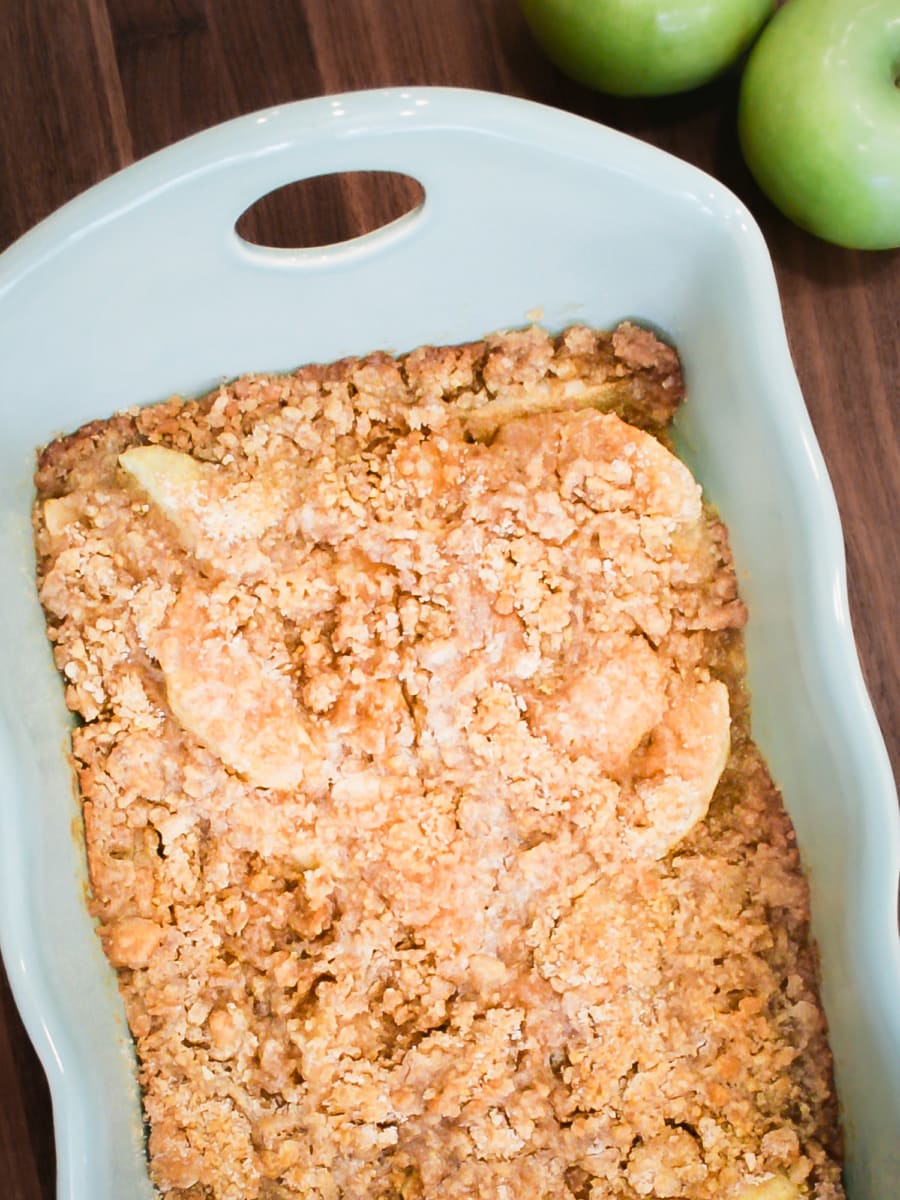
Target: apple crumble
column 424, row 826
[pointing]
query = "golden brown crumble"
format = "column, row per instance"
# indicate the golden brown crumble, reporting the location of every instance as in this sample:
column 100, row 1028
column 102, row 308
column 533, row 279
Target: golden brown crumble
column 423, row 822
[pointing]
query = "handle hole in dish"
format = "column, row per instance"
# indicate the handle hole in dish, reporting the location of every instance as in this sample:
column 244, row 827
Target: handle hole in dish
column 326, row 209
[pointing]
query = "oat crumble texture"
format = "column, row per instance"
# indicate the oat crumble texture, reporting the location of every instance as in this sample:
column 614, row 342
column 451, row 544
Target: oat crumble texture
column 424, row 826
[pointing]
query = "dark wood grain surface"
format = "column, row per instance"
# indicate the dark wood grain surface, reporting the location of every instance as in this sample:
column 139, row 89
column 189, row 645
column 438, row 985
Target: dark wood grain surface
column 88, row 86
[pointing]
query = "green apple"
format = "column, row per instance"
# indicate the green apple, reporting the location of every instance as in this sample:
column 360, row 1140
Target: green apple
column 644, row 47
column 819, row 118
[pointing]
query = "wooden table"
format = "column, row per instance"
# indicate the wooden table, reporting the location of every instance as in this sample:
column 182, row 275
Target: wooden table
column 88, row 86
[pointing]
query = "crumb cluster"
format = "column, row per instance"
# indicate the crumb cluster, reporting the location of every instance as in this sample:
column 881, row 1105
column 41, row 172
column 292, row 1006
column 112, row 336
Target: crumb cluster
column 424, row 826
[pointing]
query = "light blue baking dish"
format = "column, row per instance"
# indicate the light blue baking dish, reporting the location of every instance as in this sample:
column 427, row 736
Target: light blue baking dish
column 141, row 287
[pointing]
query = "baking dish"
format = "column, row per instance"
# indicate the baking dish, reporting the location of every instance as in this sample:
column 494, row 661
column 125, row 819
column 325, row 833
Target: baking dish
column 141, row 287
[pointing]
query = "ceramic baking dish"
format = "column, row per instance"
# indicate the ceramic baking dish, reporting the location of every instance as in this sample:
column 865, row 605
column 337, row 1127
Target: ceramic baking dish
column 142, row 287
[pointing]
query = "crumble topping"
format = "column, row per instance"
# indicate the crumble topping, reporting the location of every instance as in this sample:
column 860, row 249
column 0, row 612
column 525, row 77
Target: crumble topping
column 424, row 826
